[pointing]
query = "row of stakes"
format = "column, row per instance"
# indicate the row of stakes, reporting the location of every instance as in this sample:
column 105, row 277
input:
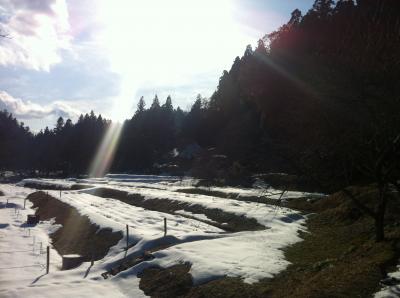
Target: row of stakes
column 34, row 242
column 41, row 251
column 6, row 206
column 48, row 247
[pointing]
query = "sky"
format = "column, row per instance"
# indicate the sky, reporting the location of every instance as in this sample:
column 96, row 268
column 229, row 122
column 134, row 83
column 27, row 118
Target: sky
column 67, row 57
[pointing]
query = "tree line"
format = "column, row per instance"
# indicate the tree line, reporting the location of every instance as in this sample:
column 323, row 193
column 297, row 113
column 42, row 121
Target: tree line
column 318, row 97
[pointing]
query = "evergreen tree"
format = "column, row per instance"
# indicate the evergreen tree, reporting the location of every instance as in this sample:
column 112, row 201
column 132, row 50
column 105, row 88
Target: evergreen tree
column 168, row 104
column 59, row 125
column 141, row 106
column 155, row 104
column 322, row 8
column 295, row 18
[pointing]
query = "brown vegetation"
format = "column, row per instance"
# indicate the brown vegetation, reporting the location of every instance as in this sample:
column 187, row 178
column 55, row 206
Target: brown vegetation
column 172, row 282
column 337, row 258
column 227, row 221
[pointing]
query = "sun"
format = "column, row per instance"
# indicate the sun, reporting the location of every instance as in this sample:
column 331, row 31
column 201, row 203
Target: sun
column 161, row 43
column 165, row 43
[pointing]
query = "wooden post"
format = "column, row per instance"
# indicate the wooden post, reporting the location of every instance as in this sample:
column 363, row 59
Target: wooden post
column 71, row 261
column 93, row 253
column 127, row 236
column 48, row 260
column 24, row 203
column 60, row 193
column 165, row 226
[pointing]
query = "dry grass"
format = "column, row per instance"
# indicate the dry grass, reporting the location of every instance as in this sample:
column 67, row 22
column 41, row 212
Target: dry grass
column 338, row 258
column 171, row 282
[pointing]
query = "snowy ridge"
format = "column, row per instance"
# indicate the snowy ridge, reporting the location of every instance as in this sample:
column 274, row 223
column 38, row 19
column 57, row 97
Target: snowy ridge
column 48, row 182
column 218, row 254
column 251, row 255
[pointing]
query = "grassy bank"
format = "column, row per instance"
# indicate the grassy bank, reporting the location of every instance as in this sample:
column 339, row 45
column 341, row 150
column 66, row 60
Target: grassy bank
column 338, row 257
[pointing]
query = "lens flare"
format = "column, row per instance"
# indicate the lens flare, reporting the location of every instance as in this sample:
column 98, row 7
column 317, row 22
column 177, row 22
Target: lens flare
column 283, row 72
column 105, row 155
column 152, row 44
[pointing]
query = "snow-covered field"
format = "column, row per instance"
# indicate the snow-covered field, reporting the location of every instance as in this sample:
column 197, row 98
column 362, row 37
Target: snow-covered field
column 192, row 238
column 392, row 291
column 23, row 263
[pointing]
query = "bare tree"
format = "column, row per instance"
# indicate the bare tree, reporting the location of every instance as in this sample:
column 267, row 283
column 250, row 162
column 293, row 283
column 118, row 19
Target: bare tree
column 383, row 168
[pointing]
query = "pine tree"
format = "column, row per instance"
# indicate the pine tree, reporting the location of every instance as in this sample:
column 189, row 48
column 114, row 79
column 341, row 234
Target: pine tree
column 261, row 50
column 248, row 51
column 141, row 106
column 295, row 18
column 323, row 8
column 155, row 104
column 59, row 125
column 168, row 104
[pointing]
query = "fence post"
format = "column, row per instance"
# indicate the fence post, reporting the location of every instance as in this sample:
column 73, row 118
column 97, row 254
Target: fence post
column 48, row 260
column 24, row 203
column 165, row 226
column 127, row 236
column 60, row 193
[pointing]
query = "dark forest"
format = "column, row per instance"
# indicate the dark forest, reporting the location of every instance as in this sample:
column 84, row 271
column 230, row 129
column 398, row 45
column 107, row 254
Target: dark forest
column 318, row 98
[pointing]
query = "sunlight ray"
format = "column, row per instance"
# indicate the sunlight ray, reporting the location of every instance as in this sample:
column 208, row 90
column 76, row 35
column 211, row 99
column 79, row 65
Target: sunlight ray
column 105, row 154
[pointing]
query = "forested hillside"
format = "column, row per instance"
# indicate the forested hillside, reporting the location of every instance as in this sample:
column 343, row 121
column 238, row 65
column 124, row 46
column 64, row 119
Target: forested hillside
column 319, row 98
column 15, row 140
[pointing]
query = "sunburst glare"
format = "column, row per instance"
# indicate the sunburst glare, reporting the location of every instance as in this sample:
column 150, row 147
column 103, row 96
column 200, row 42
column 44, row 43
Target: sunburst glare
column 105, row 154
column 158, row 43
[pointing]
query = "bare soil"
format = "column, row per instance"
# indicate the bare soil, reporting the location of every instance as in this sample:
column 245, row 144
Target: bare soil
column 226, row 221
column 77, row 234
column 219, row 194
column 39, row 186
column 337, row 258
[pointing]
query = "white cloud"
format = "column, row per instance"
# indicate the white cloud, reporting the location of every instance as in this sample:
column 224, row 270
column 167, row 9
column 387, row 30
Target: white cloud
column 38, row 30
column 29, row 110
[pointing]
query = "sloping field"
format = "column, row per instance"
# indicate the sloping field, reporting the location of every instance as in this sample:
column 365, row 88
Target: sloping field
column 213, row 235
